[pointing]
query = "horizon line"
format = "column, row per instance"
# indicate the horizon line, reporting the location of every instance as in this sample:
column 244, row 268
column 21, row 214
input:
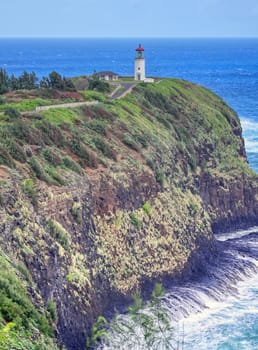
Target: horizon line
column 127, row 37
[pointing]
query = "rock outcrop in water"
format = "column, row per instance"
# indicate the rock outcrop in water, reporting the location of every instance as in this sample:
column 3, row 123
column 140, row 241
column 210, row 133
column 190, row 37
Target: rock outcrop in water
column 100, row 201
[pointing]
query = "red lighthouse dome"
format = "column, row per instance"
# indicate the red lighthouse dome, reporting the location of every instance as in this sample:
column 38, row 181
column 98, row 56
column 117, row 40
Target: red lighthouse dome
column 140, row 48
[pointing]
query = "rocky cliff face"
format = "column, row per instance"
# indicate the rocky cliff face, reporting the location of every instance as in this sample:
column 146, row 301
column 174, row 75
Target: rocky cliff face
column 123, row 194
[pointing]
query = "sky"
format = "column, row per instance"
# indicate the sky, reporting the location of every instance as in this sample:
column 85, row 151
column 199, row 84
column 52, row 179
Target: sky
column 129, row 18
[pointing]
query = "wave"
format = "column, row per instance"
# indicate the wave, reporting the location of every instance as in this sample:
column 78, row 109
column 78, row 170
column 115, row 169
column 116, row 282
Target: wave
column 249, row 124
column 217, row 310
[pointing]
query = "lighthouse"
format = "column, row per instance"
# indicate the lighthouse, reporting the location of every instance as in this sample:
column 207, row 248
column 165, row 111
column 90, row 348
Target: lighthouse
column 139, row 64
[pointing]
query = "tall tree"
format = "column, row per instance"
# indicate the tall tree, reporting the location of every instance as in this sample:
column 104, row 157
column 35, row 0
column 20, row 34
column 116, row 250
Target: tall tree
column 56, row 81
column 28, row 81
column 44, row 83
column 4, row 79
column 13, row 83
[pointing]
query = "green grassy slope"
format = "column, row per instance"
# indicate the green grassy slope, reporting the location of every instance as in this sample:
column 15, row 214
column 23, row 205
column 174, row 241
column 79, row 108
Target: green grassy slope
column 102, row 198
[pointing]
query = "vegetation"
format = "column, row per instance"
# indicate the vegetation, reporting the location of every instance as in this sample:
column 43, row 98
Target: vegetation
column 58, row 232
column 144, row 327
column 98, row 85
column 29, row 188
column 147, row 208
column 22, row 326
column 135, row 163
column 29, row 81
column 135, row 221
column 12, row 112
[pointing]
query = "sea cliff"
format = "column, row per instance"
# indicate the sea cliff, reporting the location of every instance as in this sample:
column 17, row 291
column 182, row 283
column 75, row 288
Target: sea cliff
column 99, row 201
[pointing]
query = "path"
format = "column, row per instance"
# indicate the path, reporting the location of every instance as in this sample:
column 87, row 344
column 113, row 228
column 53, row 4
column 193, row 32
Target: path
column 67, row 105
column 121, row 90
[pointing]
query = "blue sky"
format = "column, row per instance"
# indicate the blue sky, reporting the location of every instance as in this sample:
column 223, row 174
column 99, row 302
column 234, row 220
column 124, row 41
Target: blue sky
column 129, row 18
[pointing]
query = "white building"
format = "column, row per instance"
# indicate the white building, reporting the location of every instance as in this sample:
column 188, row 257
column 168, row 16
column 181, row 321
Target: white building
column 106, row 75
column 139, row 64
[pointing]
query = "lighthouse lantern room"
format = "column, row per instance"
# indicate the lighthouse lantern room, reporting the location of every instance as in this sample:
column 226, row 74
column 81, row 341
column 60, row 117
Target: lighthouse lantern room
column 139, row 64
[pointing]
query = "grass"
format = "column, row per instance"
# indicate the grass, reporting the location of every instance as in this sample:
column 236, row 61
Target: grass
column 58, row 232
column 27, row 104
column 94, row 96
column 60, row 116
column 147, row 149
column 21, row 325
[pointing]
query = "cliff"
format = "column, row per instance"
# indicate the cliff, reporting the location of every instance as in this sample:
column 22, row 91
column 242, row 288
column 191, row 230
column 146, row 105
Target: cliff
column 96, row 202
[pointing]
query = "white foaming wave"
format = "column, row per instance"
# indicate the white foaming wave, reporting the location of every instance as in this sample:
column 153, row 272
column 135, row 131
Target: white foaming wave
column 236, row 234
column 249, row 124
column 218, row 314
column 250, row 133
column 251, row 146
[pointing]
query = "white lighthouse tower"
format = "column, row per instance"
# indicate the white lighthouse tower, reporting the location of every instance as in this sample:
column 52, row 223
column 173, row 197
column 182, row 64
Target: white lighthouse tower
column 139, row 64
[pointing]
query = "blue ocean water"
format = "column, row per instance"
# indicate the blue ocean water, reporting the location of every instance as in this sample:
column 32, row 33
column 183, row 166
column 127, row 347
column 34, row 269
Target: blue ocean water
column 229, row 67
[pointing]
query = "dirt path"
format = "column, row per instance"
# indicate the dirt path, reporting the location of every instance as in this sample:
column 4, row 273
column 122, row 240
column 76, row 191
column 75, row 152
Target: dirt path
column 67, row 105
column 122, row 90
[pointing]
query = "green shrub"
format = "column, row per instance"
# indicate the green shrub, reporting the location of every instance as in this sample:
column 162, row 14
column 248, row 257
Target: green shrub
column 58, row 232
column 51, row 308
column 70, row 164
column 163, row 120
column 142, row 139
column 38, row 169
column 51, row 156
column 87, row 157
column 54, row 178
column 16, row 150
column 15, row 305
column 53, row 133
column 12, row 112
column 29, row 188
column 147, row 208
column 1, row 101
column 193, row 209
column 98, row 332
column 135, row 221
column 104, row 148
column 24, row 271
column 160, row 177
column 98, row 126
column 77, row 212
column 192, row 163
column 5, row 157
column 130, row 142
column 150, row 162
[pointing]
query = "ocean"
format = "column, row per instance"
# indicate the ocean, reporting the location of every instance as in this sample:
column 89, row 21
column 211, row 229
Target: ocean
column 228, row 319
column 229, row 67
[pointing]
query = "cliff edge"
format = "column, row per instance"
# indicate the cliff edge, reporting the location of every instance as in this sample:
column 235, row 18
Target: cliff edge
column 98, row 201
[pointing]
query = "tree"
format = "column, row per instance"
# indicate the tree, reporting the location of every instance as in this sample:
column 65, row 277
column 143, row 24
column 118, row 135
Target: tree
column 13, row 83
column 98, row 85
column 68, row 84
column 28, row 81
column 56, row 81
column 145, row 327
column 3, row 81
column 44, row 83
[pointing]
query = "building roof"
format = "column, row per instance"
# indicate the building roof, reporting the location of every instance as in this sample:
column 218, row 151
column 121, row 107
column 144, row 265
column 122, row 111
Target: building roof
column 140, row 48
column 106, row 72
